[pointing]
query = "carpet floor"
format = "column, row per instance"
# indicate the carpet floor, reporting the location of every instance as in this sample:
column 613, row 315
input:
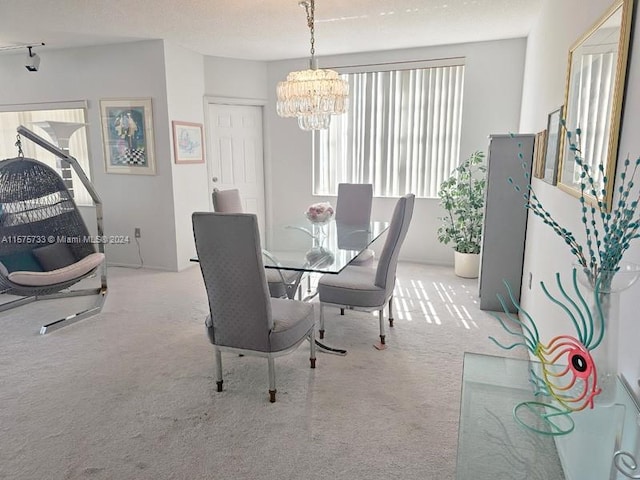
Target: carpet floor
column 130, row 393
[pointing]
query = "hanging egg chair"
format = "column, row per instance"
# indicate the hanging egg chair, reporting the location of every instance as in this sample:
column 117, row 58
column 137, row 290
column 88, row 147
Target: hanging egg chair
column 45, row 245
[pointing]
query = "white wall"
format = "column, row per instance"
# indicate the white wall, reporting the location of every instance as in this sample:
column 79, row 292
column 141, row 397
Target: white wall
column 559, row 26
column 114, row 71
column 227, row 77
column 493, row 87
column 185, row 91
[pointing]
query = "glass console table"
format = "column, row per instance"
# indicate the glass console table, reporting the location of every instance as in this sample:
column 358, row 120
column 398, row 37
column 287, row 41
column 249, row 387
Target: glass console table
column 492, row 445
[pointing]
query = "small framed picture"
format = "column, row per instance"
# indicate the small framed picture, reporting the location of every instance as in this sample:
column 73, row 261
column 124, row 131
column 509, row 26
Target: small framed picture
column 127, row 136
column 540, row 144
column 552, row 153
column 187, row 142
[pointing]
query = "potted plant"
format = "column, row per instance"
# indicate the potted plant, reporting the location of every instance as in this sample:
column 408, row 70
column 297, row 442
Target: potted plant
column 462, row 196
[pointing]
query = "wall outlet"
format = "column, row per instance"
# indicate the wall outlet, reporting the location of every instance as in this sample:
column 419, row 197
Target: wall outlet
column 136, row 232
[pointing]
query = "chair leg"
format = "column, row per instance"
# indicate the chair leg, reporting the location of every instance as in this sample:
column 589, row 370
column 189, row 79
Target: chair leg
column 381, row 317
column 272, row 379
column 391, row 311
column 312, row 342
column 218, row 368
column 321, row 330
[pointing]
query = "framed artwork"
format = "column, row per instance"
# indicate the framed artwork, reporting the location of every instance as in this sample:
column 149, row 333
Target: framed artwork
column 552, row 152
column 539, row 145
column 127, row 136
column 187, row 142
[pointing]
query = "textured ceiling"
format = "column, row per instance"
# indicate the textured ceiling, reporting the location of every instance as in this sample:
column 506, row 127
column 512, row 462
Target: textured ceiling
column 265, row 29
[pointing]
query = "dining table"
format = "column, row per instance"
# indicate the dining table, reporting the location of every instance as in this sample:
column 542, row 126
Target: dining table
column 305, row 248
column 326, row 248
column 308, row 248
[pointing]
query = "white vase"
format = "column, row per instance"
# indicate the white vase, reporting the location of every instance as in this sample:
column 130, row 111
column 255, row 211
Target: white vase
column 605, row 355
column 466, row 265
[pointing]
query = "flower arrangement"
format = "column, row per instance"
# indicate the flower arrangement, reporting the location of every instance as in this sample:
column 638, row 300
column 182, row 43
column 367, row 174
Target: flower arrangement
column 319, row 212
column 608, row 233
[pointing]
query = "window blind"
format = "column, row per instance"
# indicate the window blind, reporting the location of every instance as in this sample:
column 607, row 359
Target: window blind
column 401, row 133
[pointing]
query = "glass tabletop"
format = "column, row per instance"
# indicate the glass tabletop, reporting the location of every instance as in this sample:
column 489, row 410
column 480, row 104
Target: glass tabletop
column 328, row 248
column 493, row 445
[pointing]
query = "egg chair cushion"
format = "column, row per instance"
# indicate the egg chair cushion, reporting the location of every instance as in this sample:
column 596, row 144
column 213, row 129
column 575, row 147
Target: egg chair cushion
column 60, row 275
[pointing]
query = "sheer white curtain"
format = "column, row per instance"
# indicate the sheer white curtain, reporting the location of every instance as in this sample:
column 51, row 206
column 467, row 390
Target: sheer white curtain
column 10, row 120
column 401, row 133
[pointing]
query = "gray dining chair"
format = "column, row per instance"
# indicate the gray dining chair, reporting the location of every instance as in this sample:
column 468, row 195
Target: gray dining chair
column 282, row 283
column 227, row 201
column 365, row 287
column 243, row 318
column 353, row 207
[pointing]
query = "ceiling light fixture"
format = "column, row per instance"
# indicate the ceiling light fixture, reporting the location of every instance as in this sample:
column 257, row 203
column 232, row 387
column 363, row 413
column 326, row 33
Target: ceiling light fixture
column 312, row 95
column 33, row 60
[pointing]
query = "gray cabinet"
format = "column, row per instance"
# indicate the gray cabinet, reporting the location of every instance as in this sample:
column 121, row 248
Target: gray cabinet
column 505, row 219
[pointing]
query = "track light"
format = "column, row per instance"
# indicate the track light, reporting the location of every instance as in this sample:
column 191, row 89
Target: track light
column 33, row 60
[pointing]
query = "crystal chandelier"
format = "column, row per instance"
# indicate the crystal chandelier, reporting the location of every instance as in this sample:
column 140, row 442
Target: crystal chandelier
column 312, row 95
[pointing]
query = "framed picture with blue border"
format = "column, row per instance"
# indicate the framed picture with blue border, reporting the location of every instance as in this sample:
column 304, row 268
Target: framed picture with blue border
column 127, row 136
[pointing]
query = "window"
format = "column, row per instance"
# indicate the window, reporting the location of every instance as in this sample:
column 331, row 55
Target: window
column 12, row 116
column 401, row 133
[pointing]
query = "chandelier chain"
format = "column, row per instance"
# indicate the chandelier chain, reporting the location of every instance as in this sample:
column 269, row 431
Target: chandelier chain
column 309, row 6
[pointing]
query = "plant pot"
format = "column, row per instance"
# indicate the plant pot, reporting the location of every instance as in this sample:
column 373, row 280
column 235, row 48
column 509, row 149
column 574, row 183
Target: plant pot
column 466, row 265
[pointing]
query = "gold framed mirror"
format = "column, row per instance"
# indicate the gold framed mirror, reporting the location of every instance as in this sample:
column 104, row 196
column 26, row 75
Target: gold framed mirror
column 594, row 94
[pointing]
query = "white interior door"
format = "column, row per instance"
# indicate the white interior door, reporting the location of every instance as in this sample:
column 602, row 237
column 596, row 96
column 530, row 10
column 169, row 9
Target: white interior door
column 236, row 154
